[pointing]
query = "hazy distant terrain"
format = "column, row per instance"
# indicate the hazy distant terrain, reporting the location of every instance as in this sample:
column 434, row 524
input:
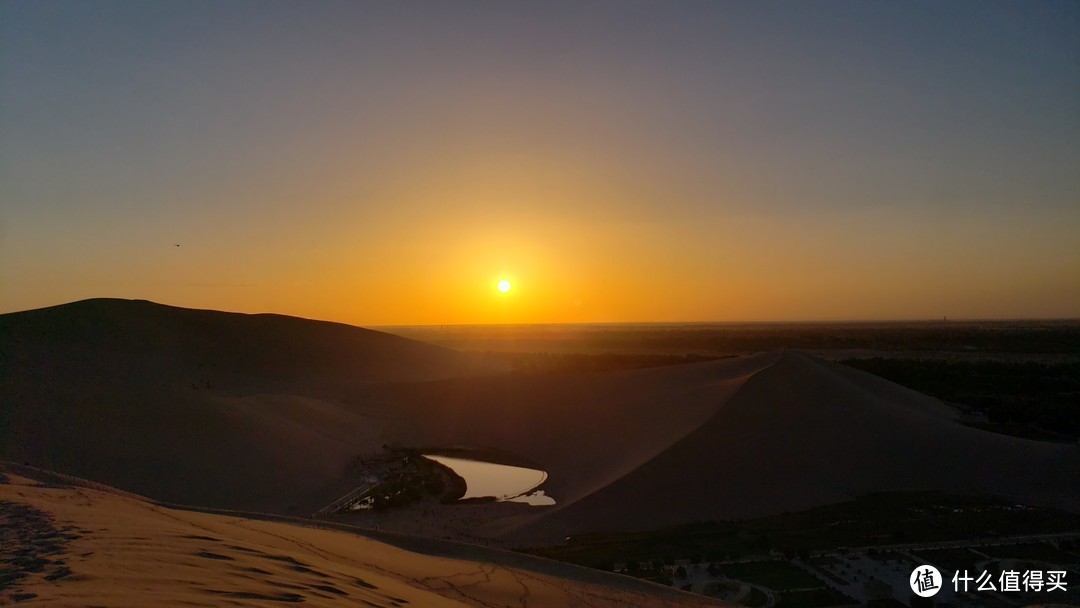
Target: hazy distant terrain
column 1042, row 339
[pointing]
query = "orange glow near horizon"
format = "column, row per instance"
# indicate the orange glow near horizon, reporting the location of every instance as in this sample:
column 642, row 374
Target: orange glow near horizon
column 658, row 163
column 582, row 272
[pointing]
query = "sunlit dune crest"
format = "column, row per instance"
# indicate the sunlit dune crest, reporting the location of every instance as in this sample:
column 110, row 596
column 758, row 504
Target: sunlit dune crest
column 120, row 550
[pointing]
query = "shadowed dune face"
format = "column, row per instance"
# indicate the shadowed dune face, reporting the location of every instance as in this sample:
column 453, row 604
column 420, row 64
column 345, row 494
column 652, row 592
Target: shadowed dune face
column 585, row 430
column 198, row 407
column 95, row 547
column 805, row 433
column 148, row 344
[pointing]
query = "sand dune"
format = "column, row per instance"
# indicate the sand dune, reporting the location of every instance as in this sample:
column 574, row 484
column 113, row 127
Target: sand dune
column 150, row 344
column 110, row 391
column 128, row 406
column 586, row 430
column 198, row 407
column 803, row 433
column 66, row 545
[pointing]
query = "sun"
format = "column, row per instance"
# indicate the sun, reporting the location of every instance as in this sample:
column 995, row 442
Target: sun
column 503, row 286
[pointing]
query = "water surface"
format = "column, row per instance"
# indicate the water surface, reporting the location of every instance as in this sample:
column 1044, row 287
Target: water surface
column 504, row 482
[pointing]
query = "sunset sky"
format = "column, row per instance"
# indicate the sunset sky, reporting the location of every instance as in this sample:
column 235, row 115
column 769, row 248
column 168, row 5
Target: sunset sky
column 389, row 162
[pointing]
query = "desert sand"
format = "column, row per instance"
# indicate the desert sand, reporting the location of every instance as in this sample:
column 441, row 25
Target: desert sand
column 72, row 545
column 256, row 412
column 803, row 433
column 265, row 413
column 194, row 407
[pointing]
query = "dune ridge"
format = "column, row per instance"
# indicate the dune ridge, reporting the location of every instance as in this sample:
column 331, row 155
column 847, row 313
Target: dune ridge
column 199, row 407
column 805, row 432
column 585, row 430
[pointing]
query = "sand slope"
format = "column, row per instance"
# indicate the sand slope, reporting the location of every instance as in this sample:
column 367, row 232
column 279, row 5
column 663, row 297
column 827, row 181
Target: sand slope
column 145, row 343
column 198, row 407
column 92, row 547
column 585, row 430
column 804, row 432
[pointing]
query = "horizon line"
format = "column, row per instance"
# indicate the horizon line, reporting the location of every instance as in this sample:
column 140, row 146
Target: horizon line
column 754, row 322
column 841, row 321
